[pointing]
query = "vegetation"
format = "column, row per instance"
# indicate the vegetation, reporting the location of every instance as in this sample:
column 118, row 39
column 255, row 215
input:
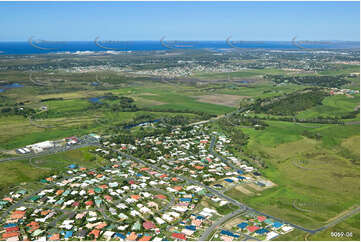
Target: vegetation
column 314, row 80
column 291, row 103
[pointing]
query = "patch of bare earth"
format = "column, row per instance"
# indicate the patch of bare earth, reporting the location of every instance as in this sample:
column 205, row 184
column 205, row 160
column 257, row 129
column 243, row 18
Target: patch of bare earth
column 243, row 190
column 147, row 102
column 256, row 187
column 232, row 223
column 221, row 99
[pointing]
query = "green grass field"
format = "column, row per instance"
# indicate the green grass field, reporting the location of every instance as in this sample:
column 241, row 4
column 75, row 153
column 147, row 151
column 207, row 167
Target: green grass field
column 327, row 182
column 341, row 69
column 13, row 173
column 16, row 131
column 332, row 106
column 262, row 90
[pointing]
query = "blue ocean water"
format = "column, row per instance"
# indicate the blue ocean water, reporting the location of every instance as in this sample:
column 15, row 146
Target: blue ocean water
column 21, row 48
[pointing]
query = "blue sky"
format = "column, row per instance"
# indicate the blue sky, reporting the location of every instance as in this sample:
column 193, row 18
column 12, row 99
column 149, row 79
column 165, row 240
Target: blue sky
column 180, row 20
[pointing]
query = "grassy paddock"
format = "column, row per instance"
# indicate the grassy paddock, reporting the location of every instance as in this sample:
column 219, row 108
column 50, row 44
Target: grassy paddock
column 327, row 182
column 332, row 106
column 13, row 173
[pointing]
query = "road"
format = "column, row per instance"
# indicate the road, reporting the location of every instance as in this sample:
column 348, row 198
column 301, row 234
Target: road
column 211, row 150
column 338, row 220
column 206, row 121
column 220, row 116
column 32, row 122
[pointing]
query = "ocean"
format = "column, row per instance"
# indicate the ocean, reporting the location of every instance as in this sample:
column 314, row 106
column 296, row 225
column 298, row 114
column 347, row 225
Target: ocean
column 44, row 47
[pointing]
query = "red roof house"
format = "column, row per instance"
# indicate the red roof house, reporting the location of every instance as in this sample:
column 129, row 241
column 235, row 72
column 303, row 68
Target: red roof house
column 252, row 228
column 179, row 236
column 149, row 225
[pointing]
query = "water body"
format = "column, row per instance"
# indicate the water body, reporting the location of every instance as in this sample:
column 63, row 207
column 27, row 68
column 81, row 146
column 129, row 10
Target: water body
column 21, row 48
column 9, row 86
column 95, row 99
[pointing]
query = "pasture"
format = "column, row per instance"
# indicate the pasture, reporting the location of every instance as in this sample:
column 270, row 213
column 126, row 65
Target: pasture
column 334, row 106
column 318, row 174
column 13, row 173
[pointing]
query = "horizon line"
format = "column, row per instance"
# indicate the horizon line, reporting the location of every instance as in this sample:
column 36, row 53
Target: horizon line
column 222, row 40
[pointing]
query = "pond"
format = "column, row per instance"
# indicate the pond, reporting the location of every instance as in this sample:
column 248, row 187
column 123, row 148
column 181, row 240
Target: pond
column 95, row 99
column 9, row 86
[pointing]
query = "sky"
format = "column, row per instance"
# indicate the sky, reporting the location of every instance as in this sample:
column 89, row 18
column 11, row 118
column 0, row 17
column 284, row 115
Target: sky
column 266, row 21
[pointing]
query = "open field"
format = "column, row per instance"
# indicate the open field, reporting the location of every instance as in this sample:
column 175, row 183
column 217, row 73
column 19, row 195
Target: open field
column 341, row 69
column 332, row 106
column 17, row 131
column 13, row 173
column 258, row 90
column 315, row 173
column 222, row 99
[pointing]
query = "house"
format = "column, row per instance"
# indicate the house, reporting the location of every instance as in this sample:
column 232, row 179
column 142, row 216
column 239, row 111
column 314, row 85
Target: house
column 10, row 235
column 277, row 224
column 251, row 229
column 287, row 228
column 68, row 234
column 179, row 236
column 119, row 235
column 271, row 235
column 242, row 225
column 187, row 232
column 89, row 203
column 108, row 235
column 136, row 226
column 12, row 229
column 261, row 218
column 149, row 225
column 132, row 236
column 101, row 225
column 159, row 220
column 229, row 233
column 145, row 238
column 95, row 233
column 167, row 218
column 17, row 214
column 261, row 231
column 135, row 197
